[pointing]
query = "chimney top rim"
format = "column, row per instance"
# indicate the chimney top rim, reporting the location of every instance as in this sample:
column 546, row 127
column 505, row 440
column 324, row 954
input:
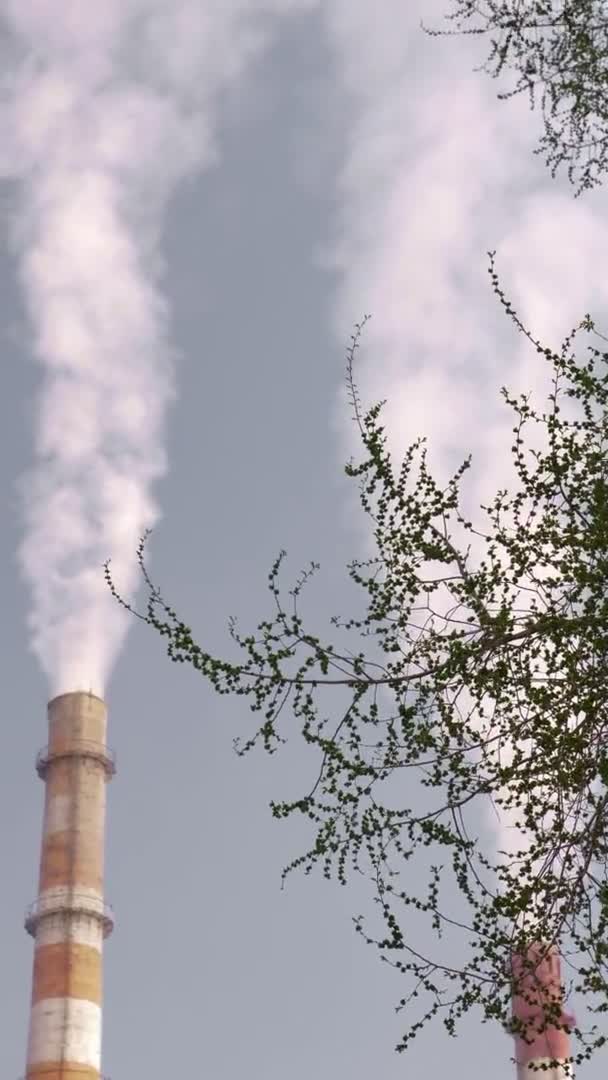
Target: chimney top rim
column 76, row 693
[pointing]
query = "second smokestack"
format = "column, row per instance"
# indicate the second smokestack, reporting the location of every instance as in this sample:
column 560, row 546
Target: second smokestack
column 538, row 987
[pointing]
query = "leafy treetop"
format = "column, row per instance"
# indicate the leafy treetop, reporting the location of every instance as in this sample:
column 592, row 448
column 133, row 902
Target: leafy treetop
column 561, row 46
column 483, row 677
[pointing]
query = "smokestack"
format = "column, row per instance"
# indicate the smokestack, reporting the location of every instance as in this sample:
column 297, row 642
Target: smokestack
column 69, row 920
column 537, row 986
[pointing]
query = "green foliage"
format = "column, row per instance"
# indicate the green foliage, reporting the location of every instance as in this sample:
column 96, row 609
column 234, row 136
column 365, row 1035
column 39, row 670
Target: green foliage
column 563, row 47
column 481, row 675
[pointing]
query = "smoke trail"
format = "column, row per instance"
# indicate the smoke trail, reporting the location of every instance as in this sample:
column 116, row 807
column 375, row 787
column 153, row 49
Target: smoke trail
column 436, row 173
column 105, row 108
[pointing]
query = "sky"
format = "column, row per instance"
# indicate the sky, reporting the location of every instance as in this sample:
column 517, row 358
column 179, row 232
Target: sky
column 198, row 203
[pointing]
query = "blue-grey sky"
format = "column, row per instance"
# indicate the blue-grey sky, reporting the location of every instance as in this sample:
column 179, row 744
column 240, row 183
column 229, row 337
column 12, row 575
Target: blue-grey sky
column 316, row 162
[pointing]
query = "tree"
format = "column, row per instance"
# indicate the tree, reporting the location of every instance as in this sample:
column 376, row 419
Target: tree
column 562, row 47
column 521, row 631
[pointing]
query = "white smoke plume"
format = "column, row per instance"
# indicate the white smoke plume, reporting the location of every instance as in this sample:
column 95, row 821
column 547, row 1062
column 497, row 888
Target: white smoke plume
column 438, row 172
column 104, row 109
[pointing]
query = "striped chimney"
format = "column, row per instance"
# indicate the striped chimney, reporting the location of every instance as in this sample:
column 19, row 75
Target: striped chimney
column 69, row 920
column 537, row 985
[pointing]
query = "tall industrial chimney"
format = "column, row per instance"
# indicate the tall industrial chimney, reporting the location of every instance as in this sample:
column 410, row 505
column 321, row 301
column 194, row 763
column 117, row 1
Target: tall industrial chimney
column 69, row 919
column 537, row 985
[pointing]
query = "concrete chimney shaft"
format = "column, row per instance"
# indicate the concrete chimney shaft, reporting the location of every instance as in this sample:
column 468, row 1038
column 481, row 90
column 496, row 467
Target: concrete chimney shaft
column 69, row 919
column 538, row 982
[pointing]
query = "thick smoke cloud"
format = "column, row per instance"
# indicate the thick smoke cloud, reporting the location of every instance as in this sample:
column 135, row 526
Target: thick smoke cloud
column 105, row 108
column 436, row 173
